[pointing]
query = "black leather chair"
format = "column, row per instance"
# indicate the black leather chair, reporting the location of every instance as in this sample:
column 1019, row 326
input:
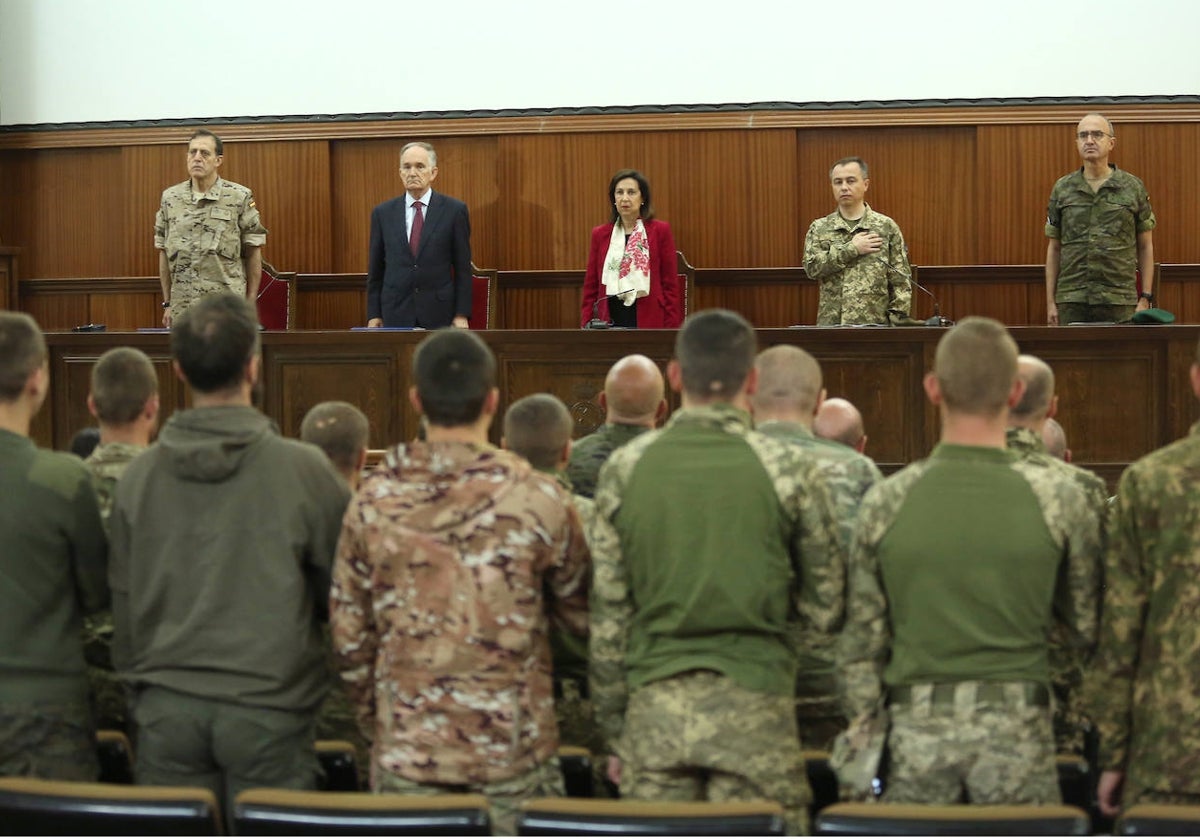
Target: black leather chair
column 1074, row 780
column 1159, row 820
column 38, row 806
column 576, row 763
column 266, row 811
column 558, row 817
column 821, row 779
column 338, row 766
column 857, row 819
column 116, row 757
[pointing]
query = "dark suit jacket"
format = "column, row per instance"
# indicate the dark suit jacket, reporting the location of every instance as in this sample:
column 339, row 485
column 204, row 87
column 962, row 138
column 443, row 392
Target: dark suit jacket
column 430, row 288
column 662, row 308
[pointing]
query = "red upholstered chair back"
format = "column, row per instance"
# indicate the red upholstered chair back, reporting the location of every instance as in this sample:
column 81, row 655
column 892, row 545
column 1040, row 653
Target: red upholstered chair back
column 276, row 299
column 483, row 286
column 687, row 283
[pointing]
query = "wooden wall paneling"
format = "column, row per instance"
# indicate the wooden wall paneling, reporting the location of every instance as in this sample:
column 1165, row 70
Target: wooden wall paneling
column 764, row 297
column 10, row 293
column 539, row 300
column 1016, row 167
column 364, row 173
column 331, row 301
column 375, row 379
column 924, row 178
column 1182, row 410
column 1177, row 290
column 127, row 311
column 1164, row 156
column 57, row 312
column 145, row 172
column 63, row 208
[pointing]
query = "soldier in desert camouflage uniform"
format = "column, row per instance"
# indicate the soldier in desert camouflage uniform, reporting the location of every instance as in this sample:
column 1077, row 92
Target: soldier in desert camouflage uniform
column 1024, row 438
column 957, row 564
column 709, row 541
column 1101, row 233
column 124, row 400
column 788, row 396
column 857, row 256
column 633, row 403
column 207, row 232
column 454, row 555
column 1144, row 687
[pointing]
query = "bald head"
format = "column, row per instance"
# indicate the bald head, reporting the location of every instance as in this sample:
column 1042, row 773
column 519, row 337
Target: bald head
column 789, row 385
column 838, row 420
column 633, row 392
column 1037, row 401
column 1055, row 440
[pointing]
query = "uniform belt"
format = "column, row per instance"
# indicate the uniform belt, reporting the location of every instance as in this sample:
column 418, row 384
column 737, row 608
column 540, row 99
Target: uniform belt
column 1035, row 694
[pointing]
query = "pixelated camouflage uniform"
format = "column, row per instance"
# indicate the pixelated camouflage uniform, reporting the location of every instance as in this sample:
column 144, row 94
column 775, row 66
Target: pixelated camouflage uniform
column 1143, row 689
column 991, row 738
column 698, row 717
column 858, row 288
column 1066, row 666
column 1098, row 232
column 589, row 453
column 203, row 239
column 110, row 704
column 849, row 475
column 452, row 560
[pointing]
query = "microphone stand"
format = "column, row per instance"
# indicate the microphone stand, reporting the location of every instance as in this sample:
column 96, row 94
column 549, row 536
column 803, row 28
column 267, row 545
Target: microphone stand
column 938, row 320
column 598, row 323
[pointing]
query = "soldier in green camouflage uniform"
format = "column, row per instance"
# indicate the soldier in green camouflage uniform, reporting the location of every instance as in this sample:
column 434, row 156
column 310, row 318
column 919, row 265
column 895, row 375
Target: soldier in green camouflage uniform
column 1144, row 687
column 1024, row 438
column 857, row 256
column 538, row 428
column 1099, row 224
column 633, row 403
column 788, row 397
column 710, row 540
column 958, row 563
column 124, row 400
column 453, row 559
column 54, row 570
column 208, row 233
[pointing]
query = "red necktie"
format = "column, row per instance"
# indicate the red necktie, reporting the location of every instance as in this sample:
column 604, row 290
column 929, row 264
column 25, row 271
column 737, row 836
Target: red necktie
column 414, row 238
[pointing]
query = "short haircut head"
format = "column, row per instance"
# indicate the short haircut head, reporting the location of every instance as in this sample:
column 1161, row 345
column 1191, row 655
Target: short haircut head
column 715, row 350
column 214, row 340
column 1054, row 439
column 647, row 211
column 454, row 372
column 975, row 365
column 218, row 145
column 123, row 379
column 22, row 351
column 420, row 144
column 339, row 429
column 1039, row 388
column 862, row 164
column 538, row 428
column 85, row 441
column 789, row 380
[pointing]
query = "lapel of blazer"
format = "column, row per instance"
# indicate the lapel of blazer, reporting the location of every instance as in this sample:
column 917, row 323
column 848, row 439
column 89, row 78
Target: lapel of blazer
column 400, row 220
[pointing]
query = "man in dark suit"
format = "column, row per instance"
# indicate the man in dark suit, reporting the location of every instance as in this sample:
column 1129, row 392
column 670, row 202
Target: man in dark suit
column 419, row 273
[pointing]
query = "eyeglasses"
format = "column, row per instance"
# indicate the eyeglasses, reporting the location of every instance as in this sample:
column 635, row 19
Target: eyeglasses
column 1093, row 135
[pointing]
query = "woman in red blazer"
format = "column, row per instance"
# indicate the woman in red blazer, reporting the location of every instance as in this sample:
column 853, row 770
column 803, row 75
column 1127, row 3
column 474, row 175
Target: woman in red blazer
column 633, row 254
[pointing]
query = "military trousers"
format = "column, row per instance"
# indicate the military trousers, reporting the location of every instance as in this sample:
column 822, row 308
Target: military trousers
column 504, row 797
column 700, row 736
column 225, row 747
column 991, row 743
column 1070, row 313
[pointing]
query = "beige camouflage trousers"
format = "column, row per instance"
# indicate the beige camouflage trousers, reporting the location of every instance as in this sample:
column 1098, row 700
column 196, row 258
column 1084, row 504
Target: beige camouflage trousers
column 504, row 798
column 700, row 736
column 998, row 750
column 48, row 741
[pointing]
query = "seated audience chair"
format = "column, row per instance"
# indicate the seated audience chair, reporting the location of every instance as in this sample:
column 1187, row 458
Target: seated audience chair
column 338, row 765
column 1074, row 780
column 276, row 298
column 1158, row 820
column 687, row 284
column 576, row 763
column 556, row 817
column 483, row 289
column 37, row 806
column 116, row 757
column 267, row 811
column 881, row 819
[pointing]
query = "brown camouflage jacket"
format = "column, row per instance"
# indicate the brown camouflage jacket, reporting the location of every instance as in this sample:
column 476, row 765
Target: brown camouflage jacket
column 451, row 561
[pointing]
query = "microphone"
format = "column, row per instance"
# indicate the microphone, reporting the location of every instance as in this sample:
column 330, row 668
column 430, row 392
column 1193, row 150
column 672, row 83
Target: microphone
column 598, row 323
column 938, row 320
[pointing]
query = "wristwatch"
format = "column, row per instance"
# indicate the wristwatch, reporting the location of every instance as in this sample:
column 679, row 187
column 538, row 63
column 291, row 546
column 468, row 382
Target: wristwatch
column 166, row 304
column 1149, row 296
